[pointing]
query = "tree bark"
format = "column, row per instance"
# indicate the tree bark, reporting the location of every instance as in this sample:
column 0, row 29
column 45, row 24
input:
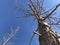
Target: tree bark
column 48, row 36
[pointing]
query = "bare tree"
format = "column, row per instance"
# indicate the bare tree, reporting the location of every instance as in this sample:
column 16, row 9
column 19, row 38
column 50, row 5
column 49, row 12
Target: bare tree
column 47, row 36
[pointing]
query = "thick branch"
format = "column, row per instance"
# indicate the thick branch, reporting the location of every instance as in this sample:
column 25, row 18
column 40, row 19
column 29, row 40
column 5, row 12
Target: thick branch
column 52, row 11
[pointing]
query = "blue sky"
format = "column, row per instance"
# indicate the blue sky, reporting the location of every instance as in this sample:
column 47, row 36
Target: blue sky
column 8, row 19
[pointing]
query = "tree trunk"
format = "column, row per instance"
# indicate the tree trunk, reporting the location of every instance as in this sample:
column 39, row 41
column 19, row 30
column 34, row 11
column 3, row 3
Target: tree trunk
column 48, row 36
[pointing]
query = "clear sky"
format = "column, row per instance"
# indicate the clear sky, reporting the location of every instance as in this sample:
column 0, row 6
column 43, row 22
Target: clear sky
column 8, row 19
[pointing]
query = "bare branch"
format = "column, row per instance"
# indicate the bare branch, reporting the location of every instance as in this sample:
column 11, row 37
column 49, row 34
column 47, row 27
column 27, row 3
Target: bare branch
column 33, row 36
column 10, row 36
column 52, row 11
